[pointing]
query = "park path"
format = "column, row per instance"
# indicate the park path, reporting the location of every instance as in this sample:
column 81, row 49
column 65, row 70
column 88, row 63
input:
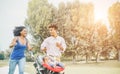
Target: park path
column 4, row 70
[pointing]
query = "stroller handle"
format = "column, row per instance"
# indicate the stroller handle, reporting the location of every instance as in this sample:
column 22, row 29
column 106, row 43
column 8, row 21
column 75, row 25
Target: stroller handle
column 31, row 55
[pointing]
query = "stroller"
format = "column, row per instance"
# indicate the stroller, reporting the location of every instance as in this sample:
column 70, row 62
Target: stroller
column 45, row 68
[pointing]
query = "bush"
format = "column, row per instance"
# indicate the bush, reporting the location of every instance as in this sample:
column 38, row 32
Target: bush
column 29, row 59
column 2, row 56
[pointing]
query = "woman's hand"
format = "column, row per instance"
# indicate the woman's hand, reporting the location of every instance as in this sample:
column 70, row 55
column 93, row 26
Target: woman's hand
column 29, row 47
column 13, row 43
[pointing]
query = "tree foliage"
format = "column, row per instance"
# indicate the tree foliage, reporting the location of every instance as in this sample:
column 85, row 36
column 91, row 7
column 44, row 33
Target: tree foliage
column 76, row 24
column 39, row 16
column 114, row 19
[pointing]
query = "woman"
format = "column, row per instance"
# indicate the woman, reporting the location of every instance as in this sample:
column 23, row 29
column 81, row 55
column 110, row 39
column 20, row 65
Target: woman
column 19, row 44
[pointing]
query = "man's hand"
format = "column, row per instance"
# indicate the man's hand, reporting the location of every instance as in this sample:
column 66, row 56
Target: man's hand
column 44, row 50
column 59, row 46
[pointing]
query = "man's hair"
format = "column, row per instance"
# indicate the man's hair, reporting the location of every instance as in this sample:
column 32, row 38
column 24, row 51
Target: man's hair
column 53, row 26
column 17, row 30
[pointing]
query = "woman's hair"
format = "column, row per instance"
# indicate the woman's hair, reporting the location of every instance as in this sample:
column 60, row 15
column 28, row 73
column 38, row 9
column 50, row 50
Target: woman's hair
column 17, row 30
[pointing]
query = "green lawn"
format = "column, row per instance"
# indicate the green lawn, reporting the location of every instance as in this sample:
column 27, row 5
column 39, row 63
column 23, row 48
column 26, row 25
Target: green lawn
column 104, row 67
column 107, row 67
column 3, row 63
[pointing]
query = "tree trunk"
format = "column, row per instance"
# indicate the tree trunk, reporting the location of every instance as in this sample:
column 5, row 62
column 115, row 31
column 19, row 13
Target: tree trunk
column 118, row 54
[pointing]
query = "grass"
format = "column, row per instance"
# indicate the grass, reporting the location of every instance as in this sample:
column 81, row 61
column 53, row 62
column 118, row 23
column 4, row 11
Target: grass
column 103, row 67
column 3, row 63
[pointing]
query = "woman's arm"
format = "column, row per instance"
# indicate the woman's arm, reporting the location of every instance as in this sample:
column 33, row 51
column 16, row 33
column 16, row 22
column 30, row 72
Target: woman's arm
column 13, row 43
column 28, row 46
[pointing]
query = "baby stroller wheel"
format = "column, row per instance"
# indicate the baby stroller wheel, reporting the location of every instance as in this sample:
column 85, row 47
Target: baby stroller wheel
column 59, row 73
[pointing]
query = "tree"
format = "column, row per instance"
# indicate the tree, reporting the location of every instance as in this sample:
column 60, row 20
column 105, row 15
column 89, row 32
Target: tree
column 78, row 27
column 39, row 16
column 100, row 39
column 2, row 55
column 114, row 19
column 76, row 24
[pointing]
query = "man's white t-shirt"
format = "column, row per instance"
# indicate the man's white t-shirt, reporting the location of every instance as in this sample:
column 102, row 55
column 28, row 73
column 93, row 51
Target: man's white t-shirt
column 50, row 44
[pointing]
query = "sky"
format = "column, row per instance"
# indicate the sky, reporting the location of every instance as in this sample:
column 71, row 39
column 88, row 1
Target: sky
column 14, row 12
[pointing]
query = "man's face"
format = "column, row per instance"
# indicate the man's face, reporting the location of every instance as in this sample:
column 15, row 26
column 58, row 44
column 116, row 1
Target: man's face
column 52, row 31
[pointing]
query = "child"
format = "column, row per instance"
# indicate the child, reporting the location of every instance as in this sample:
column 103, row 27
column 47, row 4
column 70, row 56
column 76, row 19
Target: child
column 52, row 62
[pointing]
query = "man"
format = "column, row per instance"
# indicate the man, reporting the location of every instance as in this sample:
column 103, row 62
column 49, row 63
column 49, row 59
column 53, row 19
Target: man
column 53, row 45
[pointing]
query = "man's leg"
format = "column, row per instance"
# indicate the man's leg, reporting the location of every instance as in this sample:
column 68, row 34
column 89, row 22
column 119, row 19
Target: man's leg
column 21, row 65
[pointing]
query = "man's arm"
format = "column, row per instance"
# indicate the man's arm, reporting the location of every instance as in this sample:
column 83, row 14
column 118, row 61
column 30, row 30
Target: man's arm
column 43, row 46
column 44, row 50
column 61, row 46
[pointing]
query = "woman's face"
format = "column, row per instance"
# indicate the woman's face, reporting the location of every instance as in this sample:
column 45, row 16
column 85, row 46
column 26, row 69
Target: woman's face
column 23, row 32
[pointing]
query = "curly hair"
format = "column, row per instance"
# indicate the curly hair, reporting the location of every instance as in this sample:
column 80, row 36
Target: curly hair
column 17, row 30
